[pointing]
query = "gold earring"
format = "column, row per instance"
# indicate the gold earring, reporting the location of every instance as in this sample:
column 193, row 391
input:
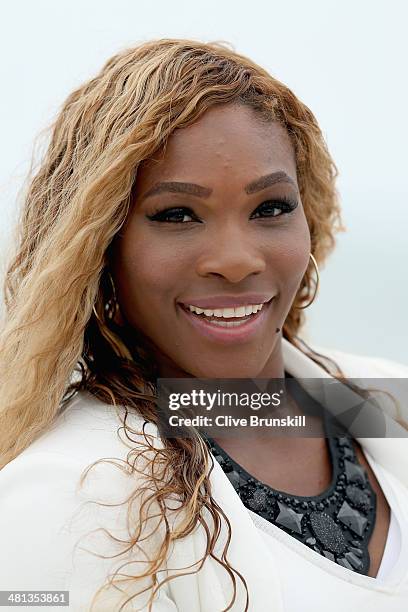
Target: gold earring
column 317, row 282
column 113, row 299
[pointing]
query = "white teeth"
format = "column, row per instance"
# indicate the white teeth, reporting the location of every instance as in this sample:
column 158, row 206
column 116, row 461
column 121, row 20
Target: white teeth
column 227, row 323
column 240, row 312
column 226, row 313
column 208, row 313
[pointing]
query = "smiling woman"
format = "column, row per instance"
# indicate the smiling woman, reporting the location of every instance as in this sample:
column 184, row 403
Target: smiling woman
column 175, row 229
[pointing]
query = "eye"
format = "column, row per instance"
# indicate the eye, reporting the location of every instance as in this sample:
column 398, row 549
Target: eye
column 173, row 215
column 276, row 208
column 183, row 214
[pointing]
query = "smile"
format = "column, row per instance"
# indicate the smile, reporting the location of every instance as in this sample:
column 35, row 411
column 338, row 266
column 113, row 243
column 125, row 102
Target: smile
column 227, row 324
column 239, row 314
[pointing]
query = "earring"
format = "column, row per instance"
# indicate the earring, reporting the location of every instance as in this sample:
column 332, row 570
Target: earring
column 317, row 282
column 112, row 302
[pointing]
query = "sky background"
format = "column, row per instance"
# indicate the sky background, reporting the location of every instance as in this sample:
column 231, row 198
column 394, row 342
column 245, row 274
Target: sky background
column 346, row 60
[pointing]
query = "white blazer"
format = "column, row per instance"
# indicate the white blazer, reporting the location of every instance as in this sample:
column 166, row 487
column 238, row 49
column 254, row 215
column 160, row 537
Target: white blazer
column 43, row 511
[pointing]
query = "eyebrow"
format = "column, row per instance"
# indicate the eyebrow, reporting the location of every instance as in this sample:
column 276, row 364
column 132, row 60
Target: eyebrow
column 204, row 192
column 268, row 180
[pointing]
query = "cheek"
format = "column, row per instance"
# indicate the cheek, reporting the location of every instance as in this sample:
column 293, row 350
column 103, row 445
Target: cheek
column 148, row 273
column 295, row 261
column 290, row 256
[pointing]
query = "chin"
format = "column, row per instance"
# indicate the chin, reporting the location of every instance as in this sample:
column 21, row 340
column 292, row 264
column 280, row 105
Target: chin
column 227, row 371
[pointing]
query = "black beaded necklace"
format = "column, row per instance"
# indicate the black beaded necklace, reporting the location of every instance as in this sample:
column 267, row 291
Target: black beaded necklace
column 337, row 523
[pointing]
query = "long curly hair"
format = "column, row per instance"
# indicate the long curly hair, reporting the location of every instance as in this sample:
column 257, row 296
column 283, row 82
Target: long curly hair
column 77, row 201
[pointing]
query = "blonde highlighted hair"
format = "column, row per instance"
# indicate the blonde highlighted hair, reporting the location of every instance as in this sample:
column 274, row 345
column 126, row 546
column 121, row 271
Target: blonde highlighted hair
column 76, row 203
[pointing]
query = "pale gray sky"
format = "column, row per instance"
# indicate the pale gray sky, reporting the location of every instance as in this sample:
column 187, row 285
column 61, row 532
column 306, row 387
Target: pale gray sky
column 346, row 60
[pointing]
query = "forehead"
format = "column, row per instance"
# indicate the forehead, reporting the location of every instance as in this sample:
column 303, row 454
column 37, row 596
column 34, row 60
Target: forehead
column 226, row 140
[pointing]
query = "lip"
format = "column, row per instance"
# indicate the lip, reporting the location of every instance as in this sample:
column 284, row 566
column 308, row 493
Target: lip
column 228, row 301
column 228, row 335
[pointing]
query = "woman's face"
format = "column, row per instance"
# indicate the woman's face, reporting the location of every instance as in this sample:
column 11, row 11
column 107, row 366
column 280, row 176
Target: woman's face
column 217, row 223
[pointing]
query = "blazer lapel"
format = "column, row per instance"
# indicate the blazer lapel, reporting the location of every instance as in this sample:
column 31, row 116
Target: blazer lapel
column 248, row 552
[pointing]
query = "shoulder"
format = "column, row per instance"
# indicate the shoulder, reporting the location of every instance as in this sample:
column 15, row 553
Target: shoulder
column 87, row 429
column 86, row 434
column 54, row 528
column 365, row 366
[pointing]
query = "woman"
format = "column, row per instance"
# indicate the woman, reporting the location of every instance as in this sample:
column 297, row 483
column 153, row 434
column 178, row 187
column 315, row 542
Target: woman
column 181, row 183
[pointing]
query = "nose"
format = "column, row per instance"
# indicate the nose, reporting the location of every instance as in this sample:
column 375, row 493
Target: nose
column 232, row 255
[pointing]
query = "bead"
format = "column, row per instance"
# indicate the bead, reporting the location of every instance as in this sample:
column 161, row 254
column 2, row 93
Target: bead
column 343, row 561
column 289, row 518
column 354, row 560
column 258, row 500
column 328, row 532
column 329, row 555
column 356, row 542
column 354, row 472
column 235, row 478
column 348, row 453
column 356, row 551
column 360, row 499
column 353, row 519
